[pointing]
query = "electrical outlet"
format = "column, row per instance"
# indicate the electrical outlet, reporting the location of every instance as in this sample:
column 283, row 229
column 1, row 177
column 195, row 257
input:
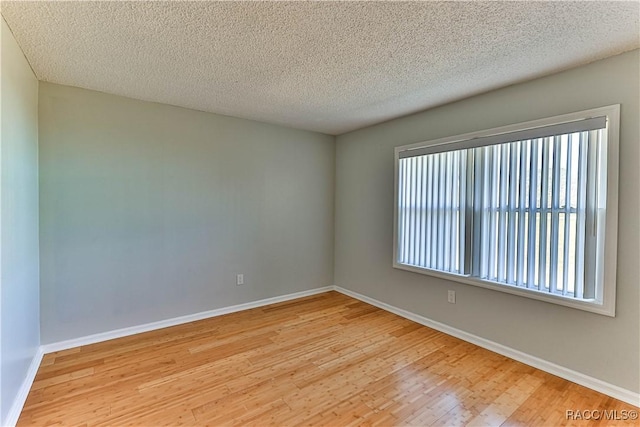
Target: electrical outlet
column 451, row 297
column 240, row 279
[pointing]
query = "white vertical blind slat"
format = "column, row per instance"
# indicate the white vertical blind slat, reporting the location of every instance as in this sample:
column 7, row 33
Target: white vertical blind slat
column 580, row 223
column 400, row 225
column 567, row 216
column 478, row 203
column 423, row 213
column 532, row 220
column 455, row 194
column 441, row 200
column 505, row 151
column 524, row 148
column 514, row 153
column 419, row 209
column 405, row 211
column 555, row 216
column 434, row 219
column 494, row 162
column 544, row 209
column 410, row 213
column 428, row 219
column 414, row 211
column 486, row 207
column 462, row 230
column 446, row 249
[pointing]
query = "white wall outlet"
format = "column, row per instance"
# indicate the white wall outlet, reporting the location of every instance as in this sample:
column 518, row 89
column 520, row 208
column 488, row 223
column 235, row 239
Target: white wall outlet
column 240, row 279
column 451, row 297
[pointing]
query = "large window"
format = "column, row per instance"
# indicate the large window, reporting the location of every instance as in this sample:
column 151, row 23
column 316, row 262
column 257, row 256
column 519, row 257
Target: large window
column 529, row 209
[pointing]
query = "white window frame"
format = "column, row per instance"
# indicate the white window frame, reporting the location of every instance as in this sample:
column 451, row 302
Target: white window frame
column 606, row 302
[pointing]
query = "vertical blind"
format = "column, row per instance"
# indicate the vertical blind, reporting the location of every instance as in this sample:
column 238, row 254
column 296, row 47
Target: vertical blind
column 520, row 213
column 432, row 211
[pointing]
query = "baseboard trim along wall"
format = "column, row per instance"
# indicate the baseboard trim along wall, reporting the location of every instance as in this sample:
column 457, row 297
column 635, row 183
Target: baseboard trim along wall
column 21, row 397
column 124, row 332
column 620, row 393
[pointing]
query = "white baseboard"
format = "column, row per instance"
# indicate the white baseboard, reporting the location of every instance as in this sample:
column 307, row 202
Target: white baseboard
column 23, row 392
column 628, row 396
column 132, row 330
column 619, row 393
column 19, row 401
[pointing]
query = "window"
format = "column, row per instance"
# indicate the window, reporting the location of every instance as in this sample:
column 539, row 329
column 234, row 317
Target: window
column 529, row 209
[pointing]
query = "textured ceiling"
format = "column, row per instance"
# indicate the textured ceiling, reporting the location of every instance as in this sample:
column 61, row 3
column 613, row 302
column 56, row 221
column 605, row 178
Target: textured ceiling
column 325, row 66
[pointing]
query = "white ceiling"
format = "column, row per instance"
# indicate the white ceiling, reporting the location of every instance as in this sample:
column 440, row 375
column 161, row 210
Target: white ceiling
column 330, row 67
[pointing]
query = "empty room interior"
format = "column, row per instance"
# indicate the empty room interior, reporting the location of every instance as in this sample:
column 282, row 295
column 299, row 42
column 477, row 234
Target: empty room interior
column 320, row 213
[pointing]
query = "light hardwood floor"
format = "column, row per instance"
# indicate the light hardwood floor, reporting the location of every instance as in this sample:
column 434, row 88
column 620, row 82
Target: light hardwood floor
column 323, row 360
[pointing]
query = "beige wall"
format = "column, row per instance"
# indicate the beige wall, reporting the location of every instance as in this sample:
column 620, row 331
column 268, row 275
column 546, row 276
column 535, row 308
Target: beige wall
column 19, row 302
column 149, row 211
column 599, row 346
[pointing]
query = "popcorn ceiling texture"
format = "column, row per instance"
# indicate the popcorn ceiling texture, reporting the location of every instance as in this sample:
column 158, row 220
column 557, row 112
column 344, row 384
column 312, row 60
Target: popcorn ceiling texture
column 330, row 67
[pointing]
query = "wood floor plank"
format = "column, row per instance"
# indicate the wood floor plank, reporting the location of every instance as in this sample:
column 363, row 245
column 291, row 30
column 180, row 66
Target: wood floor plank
column 324, row 360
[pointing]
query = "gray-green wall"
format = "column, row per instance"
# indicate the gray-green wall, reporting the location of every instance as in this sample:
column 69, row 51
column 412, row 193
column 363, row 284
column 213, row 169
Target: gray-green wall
column 148, row 211
column 599, row 346
column 19, row 287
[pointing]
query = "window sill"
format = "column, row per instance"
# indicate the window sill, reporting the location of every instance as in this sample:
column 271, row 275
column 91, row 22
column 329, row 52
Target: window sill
column 593, row 306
